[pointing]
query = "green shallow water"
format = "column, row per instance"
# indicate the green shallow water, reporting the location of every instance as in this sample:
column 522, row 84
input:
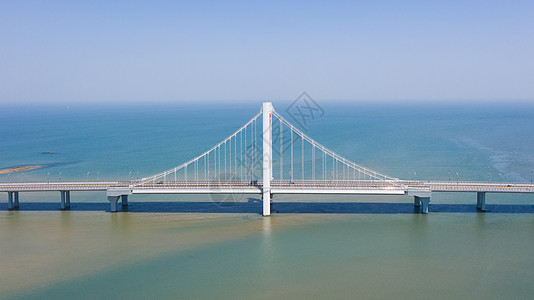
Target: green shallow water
column 441, row 256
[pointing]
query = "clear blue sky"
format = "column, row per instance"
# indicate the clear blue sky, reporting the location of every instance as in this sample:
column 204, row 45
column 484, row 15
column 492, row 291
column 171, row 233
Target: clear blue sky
column 125, row 51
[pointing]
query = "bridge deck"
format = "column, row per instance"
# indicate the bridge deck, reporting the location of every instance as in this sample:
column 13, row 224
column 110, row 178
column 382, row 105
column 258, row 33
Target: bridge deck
column 290, row 187
column 421, row 190
column 57, row 186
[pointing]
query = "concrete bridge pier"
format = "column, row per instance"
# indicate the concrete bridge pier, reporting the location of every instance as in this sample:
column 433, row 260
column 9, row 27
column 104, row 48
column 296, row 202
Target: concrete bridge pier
column 16, row 204
column 266, row 196
column 422, row 202
column 481, row 201
column 13, row 200
column 114, row 194
column 113, row 201
column 10, row 200
column 416, row 201
column 421, row 198
column 124, row 200
column 270, row 196
column 65, row 200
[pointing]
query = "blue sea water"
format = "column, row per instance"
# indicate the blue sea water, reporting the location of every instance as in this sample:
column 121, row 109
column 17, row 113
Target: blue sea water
column 317, row 247
column 472, row 140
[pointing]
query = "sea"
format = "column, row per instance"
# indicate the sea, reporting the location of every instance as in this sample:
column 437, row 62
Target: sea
column 311, row 247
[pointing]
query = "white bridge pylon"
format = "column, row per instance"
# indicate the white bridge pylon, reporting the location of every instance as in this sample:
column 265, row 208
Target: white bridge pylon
column 275, row 151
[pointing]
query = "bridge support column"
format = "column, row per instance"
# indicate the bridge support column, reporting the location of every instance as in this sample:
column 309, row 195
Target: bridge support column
column 113, row 201
column 16, row 204
column 481, row 201
column 65, row 200
column 425, row 201
column 12, row 200
column 114, row 194
column 416, row 201
column 266, row 203
column 422, row 201
column 267, row 111
column 124, row 200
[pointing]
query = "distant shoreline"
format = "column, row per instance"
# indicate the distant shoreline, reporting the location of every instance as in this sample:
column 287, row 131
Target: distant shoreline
column 20, row 169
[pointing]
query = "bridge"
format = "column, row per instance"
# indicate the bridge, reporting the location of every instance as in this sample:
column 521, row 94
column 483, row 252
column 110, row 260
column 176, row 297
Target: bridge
column 276, row 158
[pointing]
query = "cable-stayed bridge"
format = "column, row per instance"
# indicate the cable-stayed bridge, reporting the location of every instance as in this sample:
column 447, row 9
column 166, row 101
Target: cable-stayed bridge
column 267, row 156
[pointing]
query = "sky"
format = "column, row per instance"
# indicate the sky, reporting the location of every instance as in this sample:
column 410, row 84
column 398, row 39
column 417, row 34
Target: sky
column 174, row 51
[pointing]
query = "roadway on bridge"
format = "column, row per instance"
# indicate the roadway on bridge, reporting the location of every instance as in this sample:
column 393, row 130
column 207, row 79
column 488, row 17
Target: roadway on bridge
column 248, row 186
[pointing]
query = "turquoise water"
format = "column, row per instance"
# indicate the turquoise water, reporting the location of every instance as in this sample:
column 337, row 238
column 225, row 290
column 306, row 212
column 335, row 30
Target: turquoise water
column 314, row 247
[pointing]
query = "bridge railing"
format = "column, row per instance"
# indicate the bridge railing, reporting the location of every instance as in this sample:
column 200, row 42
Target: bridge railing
column 470, row 182
column 319, row 184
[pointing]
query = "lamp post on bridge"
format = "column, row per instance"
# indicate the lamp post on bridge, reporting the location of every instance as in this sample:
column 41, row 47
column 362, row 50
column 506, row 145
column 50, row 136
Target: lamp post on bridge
column 457, row 178
column 490, row 175
column 449, row 175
